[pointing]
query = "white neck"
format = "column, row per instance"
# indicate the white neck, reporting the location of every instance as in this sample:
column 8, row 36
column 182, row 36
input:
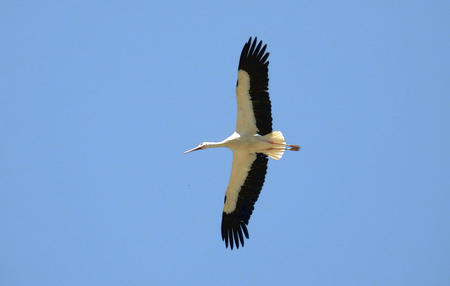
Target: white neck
column 215, row 144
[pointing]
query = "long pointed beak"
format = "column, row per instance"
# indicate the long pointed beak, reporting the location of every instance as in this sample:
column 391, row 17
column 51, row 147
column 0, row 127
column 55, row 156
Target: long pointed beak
column 193, row 149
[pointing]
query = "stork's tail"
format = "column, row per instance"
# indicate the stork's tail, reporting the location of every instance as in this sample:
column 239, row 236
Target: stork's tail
column 276, row 151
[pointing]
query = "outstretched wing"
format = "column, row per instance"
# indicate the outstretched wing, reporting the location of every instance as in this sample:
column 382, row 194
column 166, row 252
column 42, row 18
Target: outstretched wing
column 254, row 108
column 246, row 181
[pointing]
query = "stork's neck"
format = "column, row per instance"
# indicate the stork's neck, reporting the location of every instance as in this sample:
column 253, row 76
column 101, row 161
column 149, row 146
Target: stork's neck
column 216, row 144
column 228, row 142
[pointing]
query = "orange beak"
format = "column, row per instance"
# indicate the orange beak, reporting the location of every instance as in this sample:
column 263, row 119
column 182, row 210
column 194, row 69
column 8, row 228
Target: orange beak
column 193, row 149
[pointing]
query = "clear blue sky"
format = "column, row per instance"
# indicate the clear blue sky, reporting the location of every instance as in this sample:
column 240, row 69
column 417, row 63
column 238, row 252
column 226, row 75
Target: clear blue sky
column 98, row 102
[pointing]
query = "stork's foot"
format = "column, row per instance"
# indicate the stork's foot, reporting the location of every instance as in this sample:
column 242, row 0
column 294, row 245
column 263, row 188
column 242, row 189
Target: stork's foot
column 292, row 147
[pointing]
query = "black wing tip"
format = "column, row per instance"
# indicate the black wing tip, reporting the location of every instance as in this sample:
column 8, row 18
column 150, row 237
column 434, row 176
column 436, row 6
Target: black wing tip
column 252, row 40
column 253, row 53
column 233, row 231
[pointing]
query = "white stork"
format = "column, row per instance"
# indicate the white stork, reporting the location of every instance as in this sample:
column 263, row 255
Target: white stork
column 251, row 143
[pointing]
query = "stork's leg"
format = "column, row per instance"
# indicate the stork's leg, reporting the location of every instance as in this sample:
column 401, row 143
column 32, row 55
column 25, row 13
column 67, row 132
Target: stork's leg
column 277, row 145
column 292, row 147
column 289, row 147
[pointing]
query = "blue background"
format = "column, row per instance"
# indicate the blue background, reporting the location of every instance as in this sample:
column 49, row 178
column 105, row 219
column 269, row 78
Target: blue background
column 99, row 100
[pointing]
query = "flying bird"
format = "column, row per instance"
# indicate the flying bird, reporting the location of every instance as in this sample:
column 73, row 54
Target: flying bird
column 251, row 143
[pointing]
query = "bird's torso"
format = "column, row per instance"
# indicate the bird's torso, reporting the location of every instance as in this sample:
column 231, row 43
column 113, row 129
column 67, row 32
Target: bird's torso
column 247, row 142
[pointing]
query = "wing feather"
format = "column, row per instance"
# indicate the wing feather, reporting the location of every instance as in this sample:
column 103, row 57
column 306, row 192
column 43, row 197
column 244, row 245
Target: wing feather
column 246, row 181
column 254, row 107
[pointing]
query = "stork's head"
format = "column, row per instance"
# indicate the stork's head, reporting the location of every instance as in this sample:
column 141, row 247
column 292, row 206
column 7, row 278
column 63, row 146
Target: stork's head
column 201, row 146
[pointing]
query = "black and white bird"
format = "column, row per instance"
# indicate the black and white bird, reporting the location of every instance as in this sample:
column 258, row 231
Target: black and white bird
column 251, row 143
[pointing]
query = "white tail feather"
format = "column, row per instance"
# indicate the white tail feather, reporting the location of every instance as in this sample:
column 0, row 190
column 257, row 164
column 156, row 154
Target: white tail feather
column 276, row 138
